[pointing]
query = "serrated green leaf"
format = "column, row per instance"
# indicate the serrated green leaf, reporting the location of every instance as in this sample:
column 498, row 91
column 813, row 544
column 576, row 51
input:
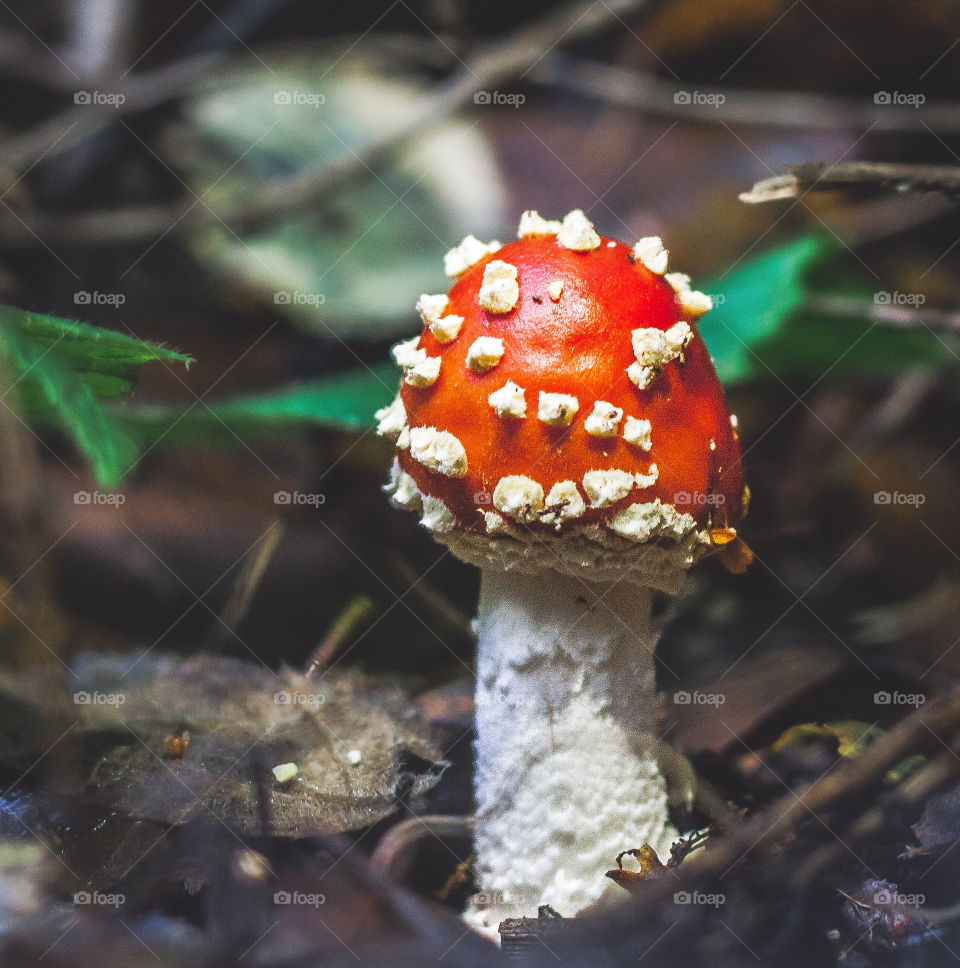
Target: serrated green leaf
column 107, row 360
column 50, row 389
column 344, row 400
column 59, row 370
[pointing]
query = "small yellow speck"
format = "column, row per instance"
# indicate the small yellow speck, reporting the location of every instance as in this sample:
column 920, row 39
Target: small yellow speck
column 285, row 772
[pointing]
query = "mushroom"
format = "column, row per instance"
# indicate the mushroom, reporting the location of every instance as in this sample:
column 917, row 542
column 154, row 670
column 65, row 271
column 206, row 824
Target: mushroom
column 586, row 465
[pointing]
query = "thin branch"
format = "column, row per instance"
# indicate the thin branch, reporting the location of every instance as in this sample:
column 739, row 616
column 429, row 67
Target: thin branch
column 886, row 312
column 356, row 613
column 48, row 139
column 938, row 720
column 737, row 105
column 912, row 791
column 32, row 63
column 823, row 176
column 245, row 587
column 496, row 62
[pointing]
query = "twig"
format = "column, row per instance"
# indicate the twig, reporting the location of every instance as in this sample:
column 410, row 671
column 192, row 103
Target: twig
column 396, row 855
column 435, row 600
column 941, row 719
column 356, row 612
column 899, row 405
column 98, row 36
column 823, row 176
column 245, row 587
column 508, row 57
column 734, row 105
column 69, row 128
column 913, row 790
column 34, row 64
column 884, row 312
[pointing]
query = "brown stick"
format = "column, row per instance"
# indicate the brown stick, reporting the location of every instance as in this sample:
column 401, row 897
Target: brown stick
column 882, row 312
column 508, row 57
column 822, row 176
column 614, row 84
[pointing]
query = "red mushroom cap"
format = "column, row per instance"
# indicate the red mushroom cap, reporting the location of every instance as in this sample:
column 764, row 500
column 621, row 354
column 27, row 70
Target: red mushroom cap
column 560, row 406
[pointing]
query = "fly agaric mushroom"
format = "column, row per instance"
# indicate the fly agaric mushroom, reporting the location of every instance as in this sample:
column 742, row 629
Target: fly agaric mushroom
column 561, row 426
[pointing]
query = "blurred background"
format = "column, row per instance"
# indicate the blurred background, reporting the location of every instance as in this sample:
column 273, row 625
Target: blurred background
column 267, row 186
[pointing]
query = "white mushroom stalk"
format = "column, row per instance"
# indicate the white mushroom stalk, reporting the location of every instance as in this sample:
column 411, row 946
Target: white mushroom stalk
column 566, row 771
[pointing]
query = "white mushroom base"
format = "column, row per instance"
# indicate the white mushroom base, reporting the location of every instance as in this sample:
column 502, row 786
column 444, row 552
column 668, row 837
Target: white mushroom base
column 566, row 773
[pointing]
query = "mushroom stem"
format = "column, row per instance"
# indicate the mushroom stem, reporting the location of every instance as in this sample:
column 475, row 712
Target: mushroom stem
column 566, row 767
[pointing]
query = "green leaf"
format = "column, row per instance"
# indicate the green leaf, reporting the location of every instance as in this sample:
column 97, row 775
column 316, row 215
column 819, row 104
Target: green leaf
column 762, row 328
column 752, row 303
column 343, row 401
column 59, row 371
column 811, row 345
column 108, row 361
